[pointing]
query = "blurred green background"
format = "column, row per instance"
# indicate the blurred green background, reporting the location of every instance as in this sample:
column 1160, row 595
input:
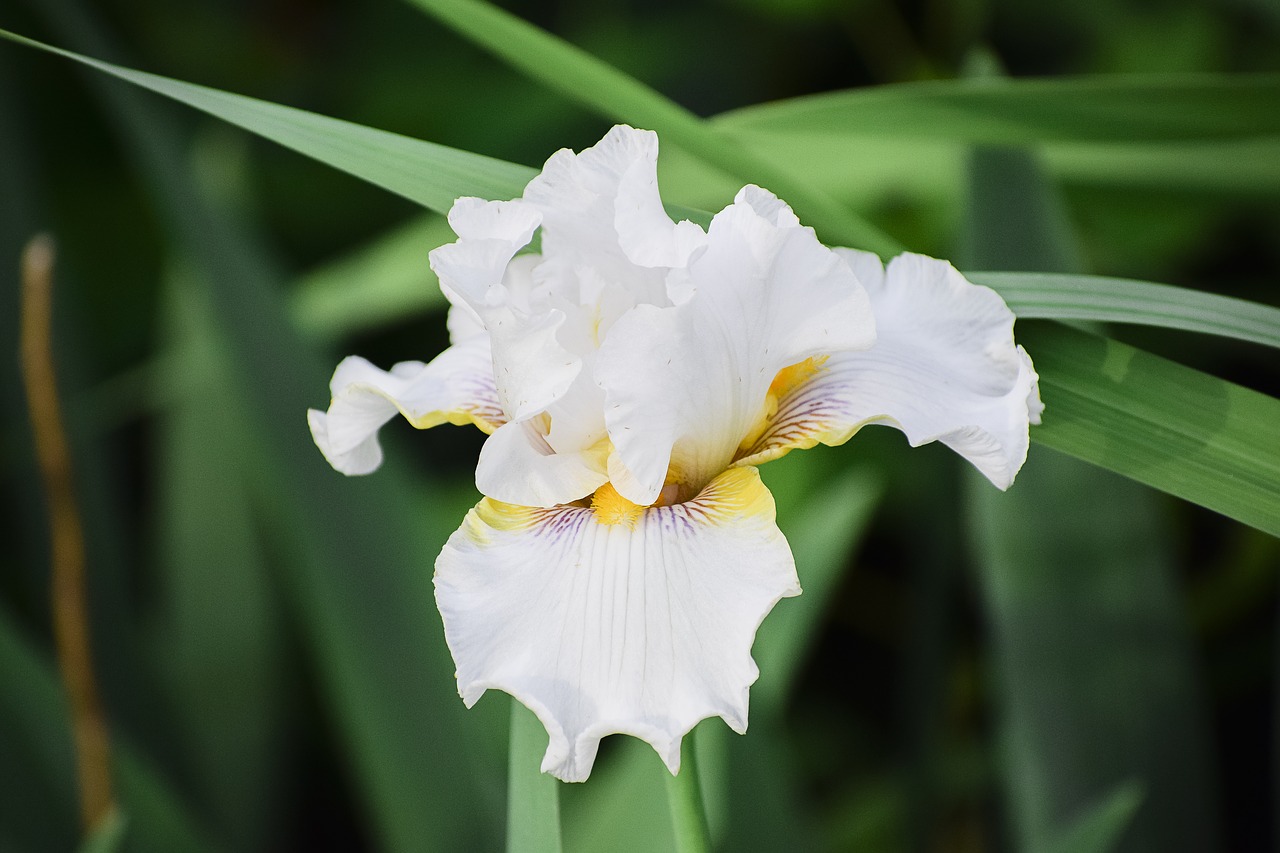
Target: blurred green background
column 1079, row 664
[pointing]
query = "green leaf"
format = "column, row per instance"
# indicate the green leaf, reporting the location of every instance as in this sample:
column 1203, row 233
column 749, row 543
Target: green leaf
column 1177, row 429
column 823, row 517
column 1093, row 109
column 1015, row 218
column 866, row 171
column 533, row 797
column 623, row 806
column 429, row 174
column 1118, row 300
column 1247, row 167
column 39, row 784
column 108, row 836
column 1093, row 659
column 384, row 282
column 609, row 92
column 376, row 649
column 1099, row 829
column 219, row 619
column 1095, row 680
column 684, row 798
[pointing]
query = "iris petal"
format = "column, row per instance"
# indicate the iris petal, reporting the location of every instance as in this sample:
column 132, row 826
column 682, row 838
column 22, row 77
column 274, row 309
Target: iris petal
column 616, row 618
column 944, row 368
column 456, row 387
column 685, row 385
column 518, row 465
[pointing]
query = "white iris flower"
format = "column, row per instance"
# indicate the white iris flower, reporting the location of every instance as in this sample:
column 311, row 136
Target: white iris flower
column 630, row 377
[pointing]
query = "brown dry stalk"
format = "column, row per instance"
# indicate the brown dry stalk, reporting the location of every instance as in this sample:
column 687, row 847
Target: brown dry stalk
column 69, row 600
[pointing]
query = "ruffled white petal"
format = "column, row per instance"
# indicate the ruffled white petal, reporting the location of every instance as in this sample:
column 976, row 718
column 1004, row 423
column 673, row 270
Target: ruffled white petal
column 685, row 385
column 518, row 465
column 944, row 368
column 616, row 618
column 462, row 320
column 531, row 368
column 604, row 203
column 456, row 387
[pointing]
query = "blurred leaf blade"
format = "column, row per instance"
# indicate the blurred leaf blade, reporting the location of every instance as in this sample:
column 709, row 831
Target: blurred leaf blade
column 1179, row 430
column 1115, row 300
column 33, row 713
column 533, row 797
column 1092, row 109
column 1247, row 167
column 617, row 96
column 1093, row 659
column 624, row 805
column 109, row 836
column 824, row 518
column 220, row 621
column 431, row 175
column 384, row 282
column 1089, row 640
column 375, row 644
column 1100, row 829
column 867, row 171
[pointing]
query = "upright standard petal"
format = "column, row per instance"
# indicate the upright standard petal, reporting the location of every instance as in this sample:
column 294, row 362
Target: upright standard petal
column 456, row 387
column 518, row 465
column 616, row 618
column 603, row 204
column 531, row 368
column 685, row 385
column 944, row 368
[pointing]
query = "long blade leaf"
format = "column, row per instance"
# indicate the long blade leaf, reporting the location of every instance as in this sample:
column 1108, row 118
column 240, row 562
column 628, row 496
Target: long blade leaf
column 533, row 797
column 1092, row 109
column 423, row 172
column 1117, row 300
column 372, row 643
column 39, row 780
column 1070, row 546
column 1177, row 429
column 609, row 92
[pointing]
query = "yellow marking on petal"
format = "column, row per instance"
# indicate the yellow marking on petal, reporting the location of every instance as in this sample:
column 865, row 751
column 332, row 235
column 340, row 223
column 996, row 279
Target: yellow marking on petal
column 787, row 380
column 612, row 508
column 802, row 371
column 814, row 433
column 598, row 453
column 493, row 515
column 457, row 417
column 736, row 494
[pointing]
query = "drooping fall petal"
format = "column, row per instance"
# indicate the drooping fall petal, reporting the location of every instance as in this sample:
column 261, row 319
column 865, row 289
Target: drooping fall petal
column 944, row 368
column 456, row 387
column 614, row 617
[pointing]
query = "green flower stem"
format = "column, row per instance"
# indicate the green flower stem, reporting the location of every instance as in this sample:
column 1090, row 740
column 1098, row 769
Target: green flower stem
column 684, row 794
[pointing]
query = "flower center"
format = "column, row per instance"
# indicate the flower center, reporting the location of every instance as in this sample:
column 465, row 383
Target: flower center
column 610, row 507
